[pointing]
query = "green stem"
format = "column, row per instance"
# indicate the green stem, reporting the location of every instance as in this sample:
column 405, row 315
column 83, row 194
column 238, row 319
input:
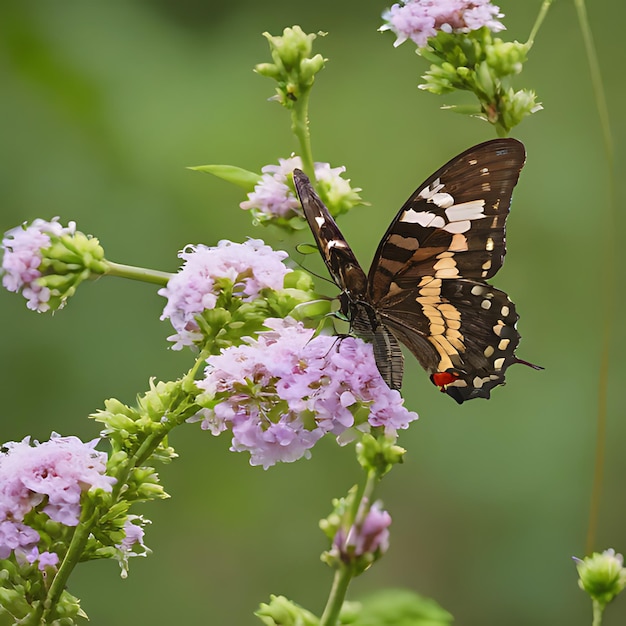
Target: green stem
column 598, row 610
column 344, row 574
column 609, row 266
column 91, row 511
column 300, row 128
column 542, row 14
column 88, row 518
column 342, row 579
column 137, row 273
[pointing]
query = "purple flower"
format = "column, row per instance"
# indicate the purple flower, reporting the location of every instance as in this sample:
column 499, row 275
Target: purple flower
column 281, row 392
column 369, row 537
column 55, row 472
column 250, row 267
column 45, row 559
column 274, row 197
column 22, row 258
column 132, row 544
column 420, row 19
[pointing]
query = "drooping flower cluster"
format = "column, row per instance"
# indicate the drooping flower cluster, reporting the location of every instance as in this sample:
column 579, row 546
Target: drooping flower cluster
column 22, row 259
column 274, row 196
column 54, row 474
column 281, row 392
column 419, row 20
column 248, row 268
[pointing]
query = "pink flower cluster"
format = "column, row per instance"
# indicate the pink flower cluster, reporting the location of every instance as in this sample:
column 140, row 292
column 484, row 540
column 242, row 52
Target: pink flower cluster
column 22, row 257
column 280, row 393
column 54, row 473
column 420, row 19
column 274, row 197
column 250, row 266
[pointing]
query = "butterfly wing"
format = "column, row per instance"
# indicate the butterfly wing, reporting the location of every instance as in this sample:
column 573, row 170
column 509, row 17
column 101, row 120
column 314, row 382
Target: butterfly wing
column 350, row 278
column 427, row 279
column 453, row 225
column 337, row 254
column 461, row 331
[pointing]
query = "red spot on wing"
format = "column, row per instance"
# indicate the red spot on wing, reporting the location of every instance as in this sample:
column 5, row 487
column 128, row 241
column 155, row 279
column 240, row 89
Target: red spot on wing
column 441, row 379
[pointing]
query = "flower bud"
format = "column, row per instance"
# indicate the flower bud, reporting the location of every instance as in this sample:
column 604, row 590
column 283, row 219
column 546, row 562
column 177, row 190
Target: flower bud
column 379, row 454
column 282, row 612
column 293, row 68
column 602, row 576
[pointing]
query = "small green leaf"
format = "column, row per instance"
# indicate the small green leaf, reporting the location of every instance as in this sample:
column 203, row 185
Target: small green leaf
column 231, row 173
column 401, row 607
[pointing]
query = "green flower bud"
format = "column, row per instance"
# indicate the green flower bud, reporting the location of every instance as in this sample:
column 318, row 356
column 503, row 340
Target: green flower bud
column 310, row 67
column 283, row 612
column 13, row 601
column 378, row 454
column 293, row 68
column 268, row 69
column 517, row 105
column 506, row 57
column 602, row 576
column 291, row 48
column 485, row 81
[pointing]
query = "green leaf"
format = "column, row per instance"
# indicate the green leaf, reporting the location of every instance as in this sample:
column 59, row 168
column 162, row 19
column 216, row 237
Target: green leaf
column 401, row 607
column 231, row 173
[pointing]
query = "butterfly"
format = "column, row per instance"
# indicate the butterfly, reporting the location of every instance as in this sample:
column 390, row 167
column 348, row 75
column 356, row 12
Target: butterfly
column 427, row 286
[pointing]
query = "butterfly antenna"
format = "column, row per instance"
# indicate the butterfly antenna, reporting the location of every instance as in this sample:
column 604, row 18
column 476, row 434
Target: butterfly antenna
column 306, row 269
column 535, row 367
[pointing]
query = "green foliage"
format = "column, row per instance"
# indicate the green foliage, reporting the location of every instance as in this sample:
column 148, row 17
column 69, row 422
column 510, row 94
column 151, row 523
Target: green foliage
column 400, row 607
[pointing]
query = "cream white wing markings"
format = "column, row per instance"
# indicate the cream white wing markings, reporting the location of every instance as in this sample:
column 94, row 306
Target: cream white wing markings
column 458, row 217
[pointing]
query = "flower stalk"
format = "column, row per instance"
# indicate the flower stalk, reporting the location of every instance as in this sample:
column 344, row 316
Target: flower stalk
column 142, row 274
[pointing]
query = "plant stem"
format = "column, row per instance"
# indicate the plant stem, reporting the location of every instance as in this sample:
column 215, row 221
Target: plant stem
column 598, row 609
column 344, row 574
column 300, row 128
column 609, row 266
column 543, row 11
column 337, row 595
column 88, row 517
column 137, row 273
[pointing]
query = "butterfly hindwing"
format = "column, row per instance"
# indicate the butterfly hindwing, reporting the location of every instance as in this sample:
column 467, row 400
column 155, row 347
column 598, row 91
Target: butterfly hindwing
column 464, row 328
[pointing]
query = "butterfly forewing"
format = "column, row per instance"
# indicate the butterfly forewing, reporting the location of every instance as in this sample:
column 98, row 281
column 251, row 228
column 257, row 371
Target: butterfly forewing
column 337, row 254
column 453, row 225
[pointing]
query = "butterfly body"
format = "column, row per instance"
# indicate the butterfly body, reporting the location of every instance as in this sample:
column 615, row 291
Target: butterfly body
column 427, row 287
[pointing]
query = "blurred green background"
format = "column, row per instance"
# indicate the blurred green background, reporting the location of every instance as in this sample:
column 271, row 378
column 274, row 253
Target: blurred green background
column 103, row 106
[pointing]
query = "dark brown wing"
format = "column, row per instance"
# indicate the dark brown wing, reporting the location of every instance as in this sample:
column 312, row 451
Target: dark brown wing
column 337, row 254
column 462, row 331
column 453, row 226
column 351, row 279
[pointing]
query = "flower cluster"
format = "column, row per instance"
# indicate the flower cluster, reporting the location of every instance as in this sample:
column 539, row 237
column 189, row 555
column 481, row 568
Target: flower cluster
column 22, row 259
column 211, row 275
column 294, row 66
column 419, row 20
column 274, row 197
column 50, row 477
column 280, row 393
